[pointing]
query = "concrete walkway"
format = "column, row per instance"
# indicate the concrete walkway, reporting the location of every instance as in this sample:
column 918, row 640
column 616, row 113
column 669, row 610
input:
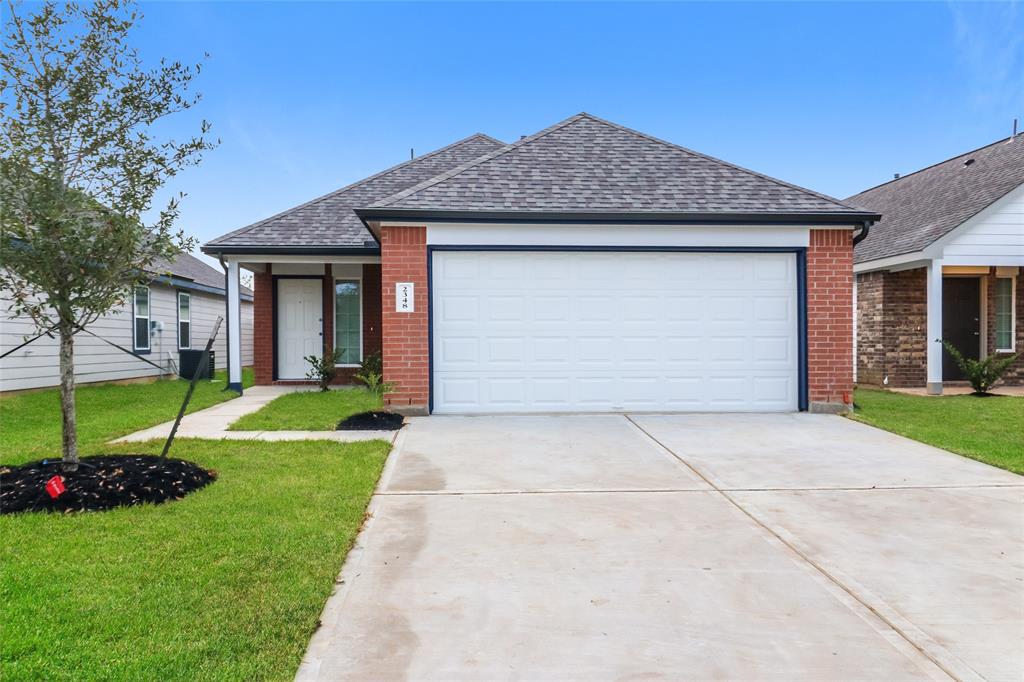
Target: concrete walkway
column 757, row 547
column 213, row 422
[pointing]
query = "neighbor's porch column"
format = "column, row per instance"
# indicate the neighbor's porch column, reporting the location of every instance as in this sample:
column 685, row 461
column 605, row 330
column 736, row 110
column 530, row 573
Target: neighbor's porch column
column 934, row 327
column 234, row 328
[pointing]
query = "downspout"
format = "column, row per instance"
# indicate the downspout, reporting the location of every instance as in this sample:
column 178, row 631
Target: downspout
column 863, row 234
column 227, row 327
column 857, row 239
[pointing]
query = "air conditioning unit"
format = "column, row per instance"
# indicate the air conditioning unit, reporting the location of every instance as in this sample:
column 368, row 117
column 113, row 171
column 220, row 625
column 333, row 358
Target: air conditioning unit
column 188, row 361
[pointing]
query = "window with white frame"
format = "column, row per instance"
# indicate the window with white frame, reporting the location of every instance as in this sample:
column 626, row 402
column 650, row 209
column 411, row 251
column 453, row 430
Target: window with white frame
column 184, row 321
column 140, row 311
column 1004, row 313
column 348, row 321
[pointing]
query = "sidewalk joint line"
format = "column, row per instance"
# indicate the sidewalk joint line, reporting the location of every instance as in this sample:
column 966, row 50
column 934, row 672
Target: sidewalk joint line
column 818, row 567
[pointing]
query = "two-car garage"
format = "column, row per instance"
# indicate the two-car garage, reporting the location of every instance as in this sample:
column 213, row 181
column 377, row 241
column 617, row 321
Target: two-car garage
column 570, row 330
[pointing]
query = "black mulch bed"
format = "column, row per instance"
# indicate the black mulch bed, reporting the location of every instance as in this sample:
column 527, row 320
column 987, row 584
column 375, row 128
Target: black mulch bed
column 372, row 421
column 101, row 482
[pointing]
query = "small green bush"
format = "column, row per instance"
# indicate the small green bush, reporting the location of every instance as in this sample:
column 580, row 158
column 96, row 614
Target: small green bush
column 371, row 373
column 322, row 369
column 982, row 374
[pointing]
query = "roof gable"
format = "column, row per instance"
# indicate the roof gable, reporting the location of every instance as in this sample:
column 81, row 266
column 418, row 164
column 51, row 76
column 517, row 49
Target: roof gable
column 919, row 208
column 329, row 221
column 587, row 165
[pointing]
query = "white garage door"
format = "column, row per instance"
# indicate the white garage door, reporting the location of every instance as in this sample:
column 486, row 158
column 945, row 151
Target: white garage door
column 597, row 332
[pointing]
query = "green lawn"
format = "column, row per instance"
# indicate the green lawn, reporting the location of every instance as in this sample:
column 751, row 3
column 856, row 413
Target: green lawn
column 30, row 422
column 990, row 430
column 309, row 411
column 226, row 584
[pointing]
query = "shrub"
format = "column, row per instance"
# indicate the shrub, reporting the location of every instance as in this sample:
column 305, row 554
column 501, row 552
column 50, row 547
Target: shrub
column 983, row 374
column 374, row 362
column 322, row 369
column 371, row 373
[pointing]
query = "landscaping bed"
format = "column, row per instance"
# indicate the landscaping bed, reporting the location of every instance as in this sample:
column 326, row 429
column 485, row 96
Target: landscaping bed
column 375, row 420
column 100, row 482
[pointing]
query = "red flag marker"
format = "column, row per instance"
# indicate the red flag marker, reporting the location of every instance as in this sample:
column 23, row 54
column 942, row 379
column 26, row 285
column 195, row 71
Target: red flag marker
column 55, row 487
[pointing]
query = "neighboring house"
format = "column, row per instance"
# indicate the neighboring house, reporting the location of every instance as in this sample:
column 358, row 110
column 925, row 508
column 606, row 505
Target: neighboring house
column 585, row 268
column 175, row 311
column 944, row 262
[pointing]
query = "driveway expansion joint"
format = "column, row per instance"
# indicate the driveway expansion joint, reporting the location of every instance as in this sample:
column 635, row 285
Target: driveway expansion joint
column 874, row 609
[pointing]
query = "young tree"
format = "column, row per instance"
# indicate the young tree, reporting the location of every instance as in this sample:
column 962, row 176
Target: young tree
column 80, row 163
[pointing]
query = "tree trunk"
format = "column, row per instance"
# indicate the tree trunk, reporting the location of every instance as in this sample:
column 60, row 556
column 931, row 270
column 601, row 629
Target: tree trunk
column 69, row 442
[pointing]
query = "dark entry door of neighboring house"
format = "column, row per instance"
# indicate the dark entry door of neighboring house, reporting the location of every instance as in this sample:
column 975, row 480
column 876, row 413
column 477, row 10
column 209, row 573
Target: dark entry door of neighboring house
column 961, row 321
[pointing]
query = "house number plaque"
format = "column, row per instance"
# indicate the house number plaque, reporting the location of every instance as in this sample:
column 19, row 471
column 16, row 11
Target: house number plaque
column 405, row 300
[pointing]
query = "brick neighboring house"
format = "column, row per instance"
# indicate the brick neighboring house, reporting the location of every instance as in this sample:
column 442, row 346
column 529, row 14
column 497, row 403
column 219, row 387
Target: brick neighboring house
column 944, row 262
column 585, row 268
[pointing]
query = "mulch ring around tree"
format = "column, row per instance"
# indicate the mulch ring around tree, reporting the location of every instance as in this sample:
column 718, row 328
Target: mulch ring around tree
column 372, row 421
column 101, row 482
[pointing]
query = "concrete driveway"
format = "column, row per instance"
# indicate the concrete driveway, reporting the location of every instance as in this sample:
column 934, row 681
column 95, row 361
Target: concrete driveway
column 785, row 547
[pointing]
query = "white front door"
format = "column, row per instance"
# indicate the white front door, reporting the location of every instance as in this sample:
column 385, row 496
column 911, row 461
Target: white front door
column 600, row 332
column 299, row 325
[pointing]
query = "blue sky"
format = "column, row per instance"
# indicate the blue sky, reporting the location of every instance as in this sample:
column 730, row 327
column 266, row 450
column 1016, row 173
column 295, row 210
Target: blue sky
column 836, row 97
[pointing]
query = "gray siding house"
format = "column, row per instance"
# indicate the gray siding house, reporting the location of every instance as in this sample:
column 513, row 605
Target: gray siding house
column 176, row 310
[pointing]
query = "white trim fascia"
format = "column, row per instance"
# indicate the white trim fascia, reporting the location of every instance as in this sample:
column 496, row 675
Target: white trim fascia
column 912, row 260
column 285, row 258
column 1008, row 260
column 1013, row 317
column 611, row 236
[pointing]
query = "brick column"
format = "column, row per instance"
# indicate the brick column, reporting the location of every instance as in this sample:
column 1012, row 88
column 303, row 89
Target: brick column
column 830, row 319
column 263, row 327
column 405, row 335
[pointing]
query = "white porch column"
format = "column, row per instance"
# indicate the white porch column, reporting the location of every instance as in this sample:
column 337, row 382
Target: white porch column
column 234, row 328
column 934, row 327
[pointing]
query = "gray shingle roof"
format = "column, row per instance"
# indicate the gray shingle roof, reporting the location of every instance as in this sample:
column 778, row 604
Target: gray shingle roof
column 187, row 266
column 587, row 165
column 921, row 207
column 329, row 221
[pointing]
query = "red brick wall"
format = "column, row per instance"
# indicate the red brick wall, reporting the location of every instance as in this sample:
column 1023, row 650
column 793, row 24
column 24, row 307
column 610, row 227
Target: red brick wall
column 263, row 327
column 892, row 316
column 1015, row 374
column 405, row 335
column 871, row 342
column 830, row 316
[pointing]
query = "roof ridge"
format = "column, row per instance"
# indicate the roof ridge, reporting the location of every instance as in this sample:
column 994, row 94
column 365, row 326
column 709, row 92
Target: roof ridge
column 715, row 159
column 937, row 163
column 441, row 177
column 409, row 191
column 352, row 185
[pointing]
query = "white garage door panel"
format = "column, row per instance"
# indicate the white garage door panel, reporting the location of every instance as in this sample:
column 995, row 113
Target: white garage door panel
column 577, row 331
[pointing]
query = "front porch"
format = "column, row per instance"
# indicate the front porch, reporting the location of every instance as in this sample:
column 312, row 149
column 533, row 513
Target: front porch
column 308, row 305
column 905, row 311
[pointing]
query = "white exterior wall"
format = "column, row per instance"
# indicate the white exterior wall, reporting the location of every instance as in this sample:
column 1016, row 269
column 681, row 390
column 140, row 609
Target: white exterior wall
column 37, row 364
column 991, row 237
